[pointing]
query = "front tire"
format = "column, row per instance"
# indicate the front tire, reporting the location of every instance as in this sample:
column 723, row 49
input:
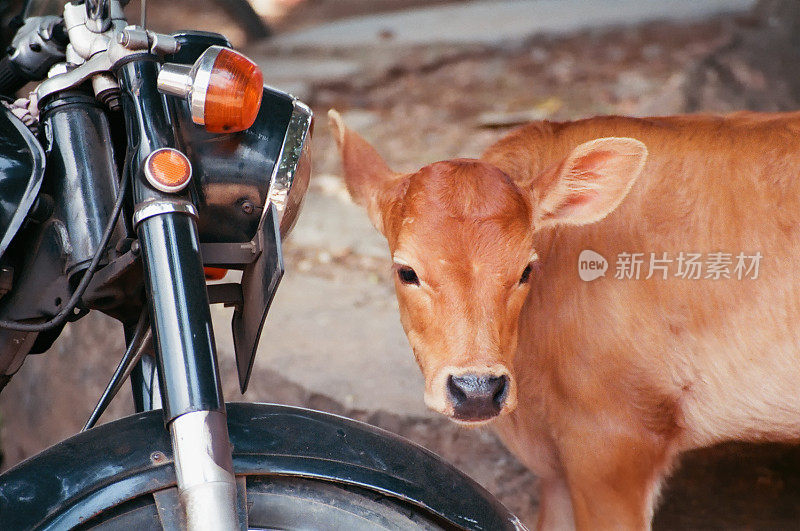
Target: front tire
column 286, row 503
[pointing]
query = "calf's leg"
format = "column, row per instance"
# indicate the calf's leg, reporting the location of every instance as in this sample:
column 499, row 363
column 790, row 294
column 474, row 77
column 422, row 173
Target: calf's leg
column 614, row 479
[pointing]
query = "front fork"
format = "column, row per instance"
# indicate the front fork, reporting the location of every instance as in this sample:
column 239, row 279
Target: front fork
column 185, row 352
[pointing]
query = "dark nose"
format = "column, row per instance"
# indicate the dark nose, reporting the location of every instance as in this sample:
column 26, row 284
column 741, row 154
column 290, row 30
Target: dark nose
column 477, row 396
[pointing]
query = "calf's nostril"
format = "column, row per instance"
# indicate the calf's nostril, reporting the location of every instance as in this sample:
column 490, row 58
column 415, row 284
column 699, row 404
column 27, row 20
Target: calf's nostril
column 455, row 389
column 501, row 390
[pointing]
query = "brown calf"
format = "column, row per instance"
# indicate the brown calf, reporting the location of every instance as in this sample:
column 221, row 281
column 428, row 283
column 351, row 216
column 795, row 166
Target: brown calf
column 598, row 385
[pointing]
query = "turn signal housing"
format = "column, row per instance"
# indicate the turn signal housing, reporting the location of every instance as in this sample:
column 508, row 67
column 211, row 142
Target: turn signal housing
column 223, row 89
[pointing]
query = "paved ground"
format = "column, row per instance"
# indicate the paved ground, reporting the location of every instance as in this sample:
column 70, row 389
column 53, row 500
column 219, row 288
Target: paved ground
column 497, row 23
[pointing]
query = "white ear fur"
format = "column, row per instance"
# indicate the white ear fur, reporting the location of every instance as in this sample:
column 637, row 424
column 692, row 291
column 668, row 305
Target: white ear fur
column 337, row 126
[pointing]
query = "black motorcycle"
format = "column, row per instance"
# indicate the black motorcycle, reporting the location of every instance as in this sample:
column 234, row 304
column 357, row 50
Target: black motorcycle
column 141, row 165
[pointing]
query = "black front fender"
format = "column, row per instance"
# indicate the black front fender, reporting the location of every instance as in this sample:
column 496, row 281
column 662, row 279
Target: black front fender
column 85, row 474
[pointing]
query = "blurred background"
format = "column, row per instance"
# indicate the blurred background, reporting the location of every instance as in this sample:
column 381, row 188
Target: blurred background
column 425, row 81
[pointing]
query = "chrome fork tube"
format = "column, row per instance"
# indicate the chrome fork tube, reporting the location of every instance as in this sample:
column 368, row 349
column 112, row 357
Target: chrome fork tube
column 204, row 469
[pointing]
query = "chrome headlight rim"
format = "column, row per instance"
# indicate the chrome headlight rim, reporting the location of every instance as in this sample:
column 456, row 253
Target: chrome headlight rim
column 290, row 177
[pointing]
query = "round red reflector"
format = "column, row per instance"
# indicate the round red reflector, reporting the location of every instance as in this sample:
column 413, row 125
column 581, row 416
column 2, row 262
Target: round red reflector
column 233, row 97
column 168, row 170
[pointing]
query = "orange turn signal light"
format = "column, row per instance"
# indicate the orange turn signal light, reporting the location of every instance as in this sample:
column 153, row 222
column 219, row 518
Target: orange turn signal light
column 223, row 89
column 233, row 97
column 168, row 170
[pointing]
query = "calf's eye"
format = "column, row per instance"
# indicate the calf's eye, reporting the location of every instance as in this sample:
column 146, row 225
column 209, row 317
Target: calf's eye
column 407, row 276
column 526, row 274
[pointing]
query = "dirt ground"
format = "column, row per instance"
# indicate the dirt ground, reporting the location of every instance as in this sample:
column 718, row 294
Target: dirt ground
column 431, row 107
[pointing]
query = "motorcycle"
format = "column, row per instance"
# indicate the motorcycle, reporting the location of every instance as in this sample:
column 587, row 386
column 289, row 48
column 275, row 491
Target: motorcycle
column 142, row 165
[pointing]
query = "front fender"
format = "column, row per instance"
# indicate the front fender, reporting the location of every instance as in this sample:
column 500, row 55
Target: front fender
column 85, row 474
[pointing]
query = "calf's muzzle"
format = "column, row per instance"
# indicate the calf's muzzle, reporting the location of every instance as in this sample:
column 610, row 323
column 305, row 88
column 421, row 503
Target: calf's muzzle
column 477, row 397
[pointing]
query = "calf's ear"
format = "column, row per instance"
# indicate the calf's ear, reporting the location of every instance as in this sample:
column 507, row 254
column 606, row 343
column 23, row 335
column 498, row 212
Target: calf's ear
column 369, row 180
column 589, row 183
